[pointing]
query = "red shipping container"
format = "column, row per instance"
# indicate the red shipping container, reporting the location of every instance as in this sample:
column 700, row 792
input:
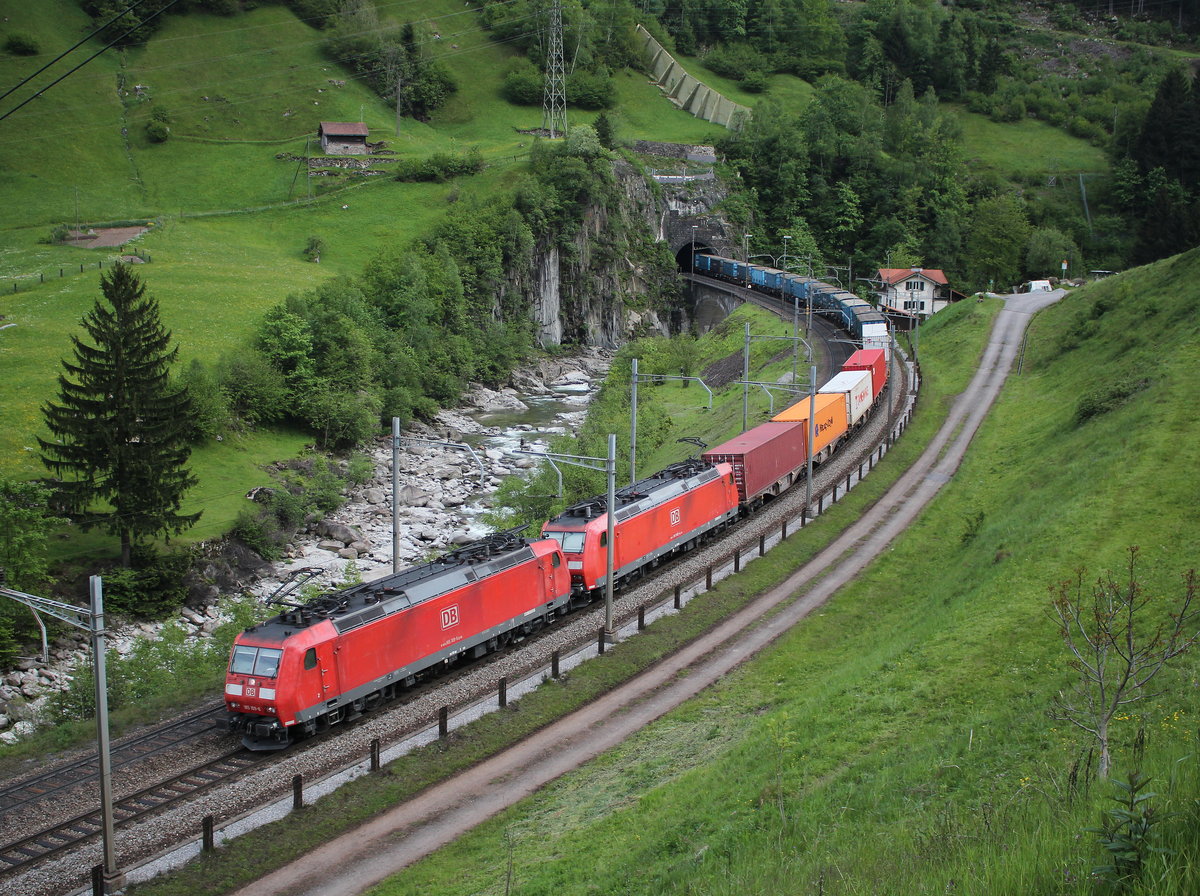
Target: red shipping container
column 765, row 460
column 874, row 360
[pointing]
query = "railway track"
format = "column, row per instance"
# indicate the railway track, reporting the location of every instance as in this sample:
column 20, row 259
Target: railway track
column 63, row 777
column 69, row 834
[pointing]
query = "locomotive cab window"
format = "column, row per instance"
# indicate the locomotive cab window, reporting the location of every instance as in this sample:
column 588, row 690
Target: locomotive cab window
column 267, row 663
column 310, row 658
column 556, row 560
column 262, row 661
column 243, row 660
column 572, row 542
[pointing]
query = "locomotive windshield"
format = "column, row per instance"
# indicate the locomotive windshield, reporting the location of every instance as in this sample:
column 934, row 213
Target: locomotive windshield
column 262, row 661
column 572, row 542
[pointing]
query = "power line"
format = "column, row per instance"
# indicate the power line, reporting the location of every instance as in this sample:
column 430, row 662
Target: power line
column 25, row 81
column 258, row 76
column 89, row 59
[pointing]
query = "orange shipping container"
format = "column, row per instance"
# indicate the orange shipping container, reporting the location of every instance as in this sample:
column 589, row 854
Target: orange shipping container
column 830, row 420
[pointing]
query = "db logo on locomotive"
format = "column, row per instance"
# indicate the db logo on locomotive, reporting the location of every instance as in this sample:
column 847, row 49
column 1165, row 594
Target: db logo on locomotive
column 450, row 617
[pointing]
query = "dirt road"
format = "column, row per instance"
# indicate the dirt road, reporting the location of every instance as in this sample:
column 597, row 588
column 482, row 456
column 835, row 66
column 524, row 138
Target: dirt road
column 351, row 863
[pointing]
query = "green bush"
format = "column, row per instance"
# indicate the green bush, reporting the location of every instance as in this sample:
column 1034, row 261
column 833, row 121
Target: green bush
column 754, row 82
column 439, row 167
column 257, row 392
column 152, row 587
column 258, row 530
column 157, row 131
column 318, row 13
column 314, row 248
column 1107, row 398
column 525, row 86
column 21, row 44
column 591, row 90
column 210, row 405
column 737, row 61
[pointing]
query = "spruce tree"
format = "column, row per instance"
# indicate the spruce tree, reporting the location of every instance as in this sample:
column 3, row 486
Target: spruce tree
column 120, row 428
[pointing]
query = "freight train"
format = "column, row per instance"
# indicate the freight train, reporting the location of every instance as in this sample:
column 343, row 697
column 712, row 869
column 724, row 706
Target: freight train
column 861, row 319
column 324, row 662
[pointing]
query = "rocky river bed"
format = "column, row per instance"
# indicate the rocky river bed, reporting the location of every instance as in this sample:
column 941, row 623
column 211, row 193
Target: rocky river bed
column 442, row 492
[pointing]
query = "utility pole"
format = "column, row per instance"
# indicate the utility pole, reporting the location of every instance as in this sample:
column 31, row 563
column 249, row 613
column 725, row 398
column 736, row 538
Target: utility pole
column 554, row 106
column 91, row 621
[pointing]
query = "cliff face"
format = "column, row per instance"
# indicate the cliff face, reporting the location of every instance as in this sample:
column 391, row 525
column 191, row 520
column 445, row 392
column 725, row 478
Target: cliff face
column 617, row 277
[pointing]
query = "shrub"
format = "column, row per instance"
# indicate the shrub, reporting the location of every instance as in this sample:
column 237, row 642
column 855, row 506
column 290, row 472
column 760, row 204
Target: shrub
column 210, row 404
column 257, row 392
column 754, row 82
column 524, row 86
column 340, row 418
column 258, row 530
column 439, row 167
column 314, row 248
column 157, row 131
column 591, row 90
column 318, row 13
column 21, row 44
column 736, row 61
column 154, row 585
column 1107, row 397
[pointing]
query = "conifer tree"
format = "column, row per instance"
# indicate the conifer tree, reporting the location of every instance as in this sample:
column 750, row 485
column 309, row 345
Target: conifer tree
column 120, row 428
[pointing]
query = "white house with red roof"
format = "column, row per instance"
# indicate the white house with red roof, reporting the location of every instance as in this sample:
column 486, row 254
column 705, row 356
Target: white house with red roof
column 913, row 292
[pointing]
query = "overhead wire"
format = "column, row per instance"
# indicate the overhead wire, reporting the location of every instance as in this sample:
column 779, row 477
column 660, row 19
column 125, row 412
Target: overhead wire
column 89, row 59
column 64, row 53
column 359, row 76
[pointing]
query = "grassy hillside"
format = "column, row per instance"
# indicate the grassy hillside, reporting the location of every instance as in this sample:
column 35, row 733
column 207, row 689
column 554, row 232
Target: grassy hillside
column 230, row 219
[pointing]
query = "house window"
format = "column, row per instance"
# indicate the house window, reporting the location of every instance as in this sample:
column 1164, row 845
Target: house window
column 915, row 285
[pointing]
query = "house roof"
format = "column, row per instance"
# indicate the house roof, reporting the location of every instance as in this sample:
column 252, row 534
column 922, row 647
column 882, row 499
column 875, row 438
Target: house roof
column 892, row 276
column 343, row 129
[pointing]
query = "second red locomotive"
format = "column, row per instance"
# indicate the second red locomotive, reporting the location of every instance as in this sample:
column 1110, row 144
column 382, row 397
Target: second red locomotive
column 655, row 517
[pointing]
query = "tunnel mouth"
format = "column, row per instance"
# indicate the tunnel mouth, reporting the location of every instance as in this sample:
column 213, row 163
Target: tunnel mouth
column 683, row 258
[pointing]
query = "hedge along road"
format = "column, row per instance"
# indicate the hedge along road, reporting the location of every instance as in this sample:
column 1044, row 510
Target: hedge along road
column 384, row 846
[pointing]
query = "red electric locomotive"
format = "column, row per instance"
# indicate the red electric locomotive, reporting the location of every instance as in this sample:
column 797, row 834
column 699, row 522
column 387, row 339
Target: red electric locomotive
column 655, row 517
column 326, row 661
